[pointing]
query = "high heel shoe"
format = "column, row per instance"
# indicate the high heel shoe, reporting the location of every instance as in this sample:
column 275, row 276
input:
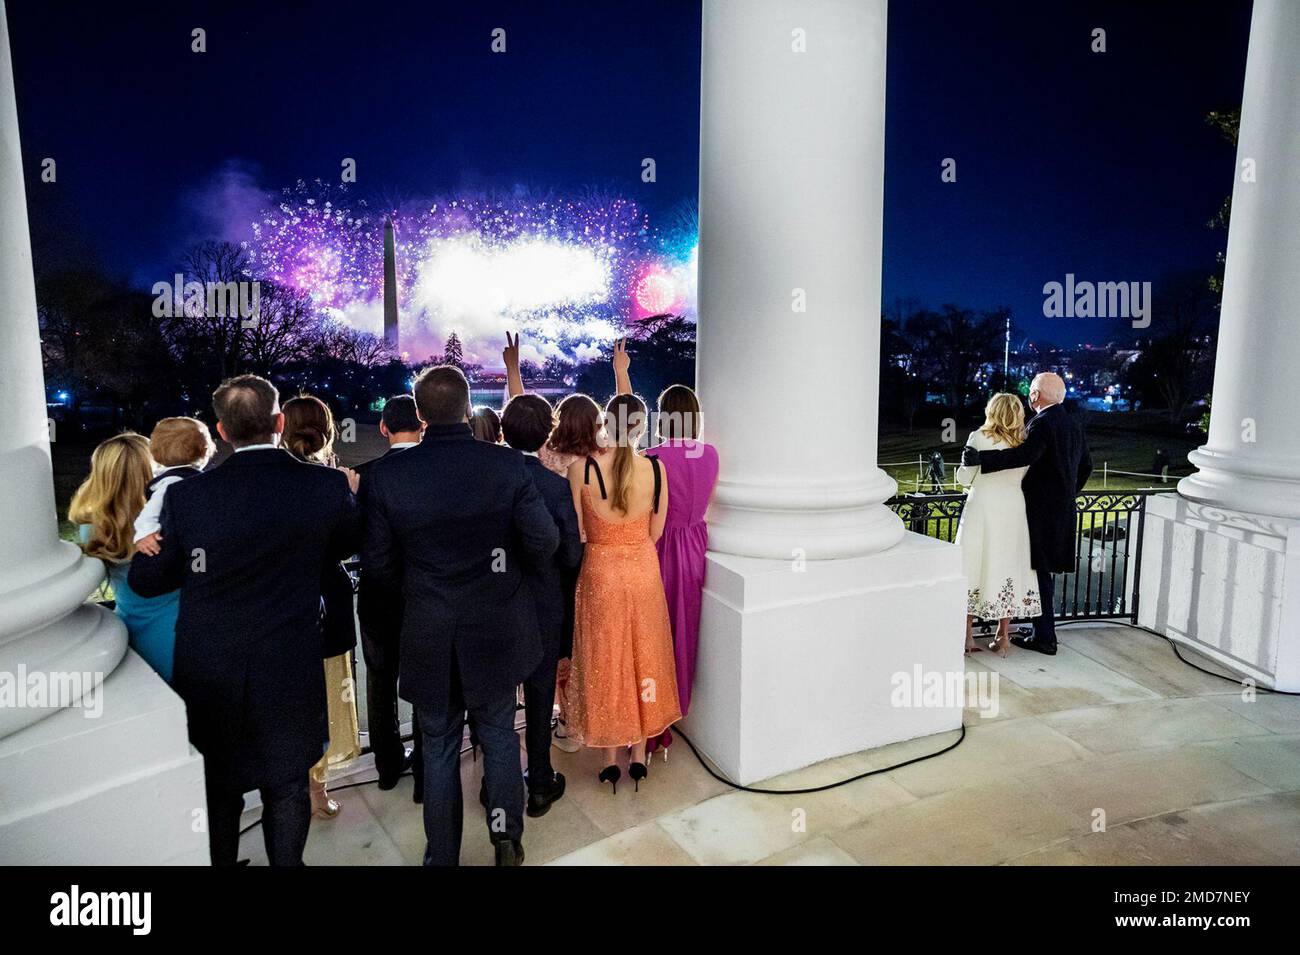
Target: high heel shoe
column 611, row 775
column 1000, row 645
column 323, row 805
column 637, row 772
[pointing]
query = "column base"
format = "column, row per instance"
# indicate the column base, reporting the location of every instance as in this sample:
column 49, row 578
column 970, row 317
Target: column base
column 67, row 658
column 123, row 787
column 1269, row 488
column 798, row 663
column 1225, row 583
column 815, row 520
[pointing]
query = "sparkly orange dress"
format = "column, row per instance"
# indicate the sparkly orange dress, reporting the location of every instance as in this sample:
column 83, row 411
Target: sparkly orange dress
column 623, row 685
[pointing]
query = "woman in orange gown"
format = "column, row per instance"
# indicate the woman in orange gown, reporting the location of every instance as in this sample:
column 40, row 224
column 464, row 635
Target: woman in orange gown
column 622, row 685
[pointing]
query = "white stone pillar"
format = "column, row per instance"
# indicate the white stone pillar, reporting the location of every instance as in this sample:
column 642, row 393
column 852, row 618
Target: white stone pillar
column 47, row 631
column 815, row 599
column 1251, row 461
column 792, row 155
column 1221, row 561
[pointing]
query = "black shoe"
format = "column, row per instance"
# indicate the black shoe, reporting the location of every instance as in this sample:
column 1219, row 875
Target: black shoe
column 611, row 775
column 638, row 772
column 1038, row 646
column 509, row 853
column 389, row 782
column 540, row 799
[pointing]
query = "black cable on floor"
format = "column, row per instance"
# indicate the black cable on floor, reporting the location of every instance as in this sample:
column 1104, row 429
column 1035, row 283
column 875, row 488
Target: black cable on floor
column 818, row 789
column 1174, row 646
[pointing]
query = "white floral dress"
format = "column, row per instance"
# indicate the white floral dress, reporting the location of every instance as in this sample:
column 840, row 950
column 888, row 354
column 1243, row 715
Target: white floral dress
column 994, row 539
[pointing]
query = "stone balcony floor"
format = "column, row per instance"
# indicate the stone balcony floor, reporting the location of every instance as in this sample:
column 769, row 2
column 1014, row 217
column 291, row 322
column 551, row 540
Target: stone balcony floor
column 1184, row 769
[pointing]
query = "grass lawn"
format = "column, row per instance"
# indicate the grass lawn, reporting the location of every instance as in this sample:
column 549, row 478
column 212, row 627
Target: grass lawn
column 1124, row 442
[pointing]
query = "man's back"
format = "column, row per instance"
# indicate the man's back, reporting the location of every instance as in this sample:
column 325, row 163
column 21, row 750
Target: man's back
column 452, row 522
column 1064, row 465
column 246, row 544
column 255, row 534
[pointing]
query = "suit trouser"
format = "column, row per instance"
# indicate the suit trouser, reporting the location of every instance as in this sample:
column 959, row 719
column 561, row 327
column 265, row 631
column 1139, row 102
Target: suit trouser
column 1045, row 623
column 494, row 723
column 382, row 722
column 539, row 704
column 286, row 817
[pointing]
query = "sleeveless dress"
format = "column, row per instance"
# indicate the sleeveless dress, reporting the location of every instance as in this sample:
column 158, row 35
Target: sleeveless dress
column 692, row 472
column 622, row 686
column 150, row 621
column 994, row 539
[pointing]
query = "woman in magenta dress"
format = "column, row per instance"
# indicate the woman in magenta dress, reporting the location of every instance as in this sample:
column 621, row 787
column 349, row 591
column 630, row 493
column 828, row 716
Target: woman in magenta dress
column 691, row 468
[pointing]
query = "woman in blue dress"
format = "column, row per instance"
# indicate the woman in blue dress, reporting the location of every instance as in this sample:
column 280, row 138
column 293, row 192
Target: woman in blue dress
column 105, row 508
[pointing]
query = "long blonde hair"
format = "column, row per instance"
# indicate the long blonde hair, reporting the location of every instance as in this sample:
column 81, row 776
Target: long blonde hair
column 111, row 498
column 625, row 419
column 1004, row 419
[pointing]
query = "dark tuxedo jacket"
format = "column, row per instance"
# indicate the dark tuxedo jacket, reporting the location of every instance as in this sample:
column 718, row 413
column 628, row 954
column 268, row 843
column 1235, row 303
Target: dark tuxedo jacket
column 246, row 544
column 454, row 522
column 1056, row 453
column 379, row 606
column 554, row 582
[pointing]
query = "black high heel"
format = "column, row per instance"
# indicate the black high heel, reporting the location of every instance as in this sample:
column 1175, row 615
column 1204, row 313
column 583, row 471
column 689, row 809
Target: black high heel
column 611, row 775
column 637, row 772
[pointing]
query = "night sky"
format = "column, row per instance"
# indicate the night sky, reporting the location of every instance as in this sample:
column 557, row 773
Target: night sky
column 1067, row 160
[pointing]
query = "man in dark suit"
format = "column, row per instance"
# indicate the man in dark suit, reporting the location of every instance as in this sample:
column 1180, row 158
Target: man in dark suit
column 1056, row 453
column 380, row 609
column 526, row 424
column 244, row 543
column 454, row 522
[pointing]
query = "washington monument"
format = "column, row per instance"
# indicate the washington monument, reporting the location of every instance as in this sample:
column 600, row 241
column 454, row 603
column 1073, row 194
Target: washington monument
column 390, row 288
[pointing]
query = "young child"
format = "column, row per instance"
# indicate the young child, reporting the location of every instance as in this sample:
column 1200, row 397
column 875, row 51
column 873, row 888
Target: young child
column 182, row 448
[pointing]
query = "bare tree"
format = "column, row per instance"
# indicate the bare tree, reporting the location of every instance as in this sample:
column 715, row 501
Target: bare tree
column 196, row 329
column 286, row 328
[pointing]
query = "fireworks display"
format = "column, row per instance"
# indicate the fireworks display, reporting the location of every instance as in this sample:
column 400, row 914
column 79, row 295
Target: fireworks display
column 570, row 273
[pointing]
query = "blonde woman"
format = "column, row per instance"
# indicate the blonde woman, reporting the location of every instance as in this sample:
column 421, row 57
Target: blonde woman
column 994, row 532
column 105, row 508
column 622, row 687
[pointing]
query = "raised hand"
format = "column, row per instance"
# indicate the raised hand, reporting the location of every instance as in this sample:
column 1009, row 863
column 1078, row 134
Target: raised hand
column 621, row 360
column 510, row 355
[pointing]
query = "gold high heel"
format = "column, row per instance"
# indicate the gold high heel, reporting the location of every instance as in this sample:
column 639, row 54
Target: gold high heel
column 323, row 805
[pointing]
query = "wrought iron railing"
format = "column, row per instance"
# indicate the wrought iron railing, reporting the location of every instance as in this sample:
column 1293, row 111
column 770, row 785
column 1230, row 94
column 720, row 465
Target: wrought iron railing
column 1105, row 584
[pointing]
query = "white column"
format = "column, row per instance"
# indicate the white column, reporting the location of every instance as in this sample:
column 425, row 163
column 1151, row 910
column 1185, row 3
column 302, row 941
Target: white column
column 1221, row 560
column 792, row 131
column 816, row 602
column 47, row 631
column 1251, row 461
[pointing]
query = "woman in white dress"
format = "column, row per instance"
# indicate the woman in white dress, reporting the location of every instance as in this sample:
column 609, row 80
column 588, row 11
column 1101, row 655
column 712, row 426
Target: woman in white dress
column 994, row 533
